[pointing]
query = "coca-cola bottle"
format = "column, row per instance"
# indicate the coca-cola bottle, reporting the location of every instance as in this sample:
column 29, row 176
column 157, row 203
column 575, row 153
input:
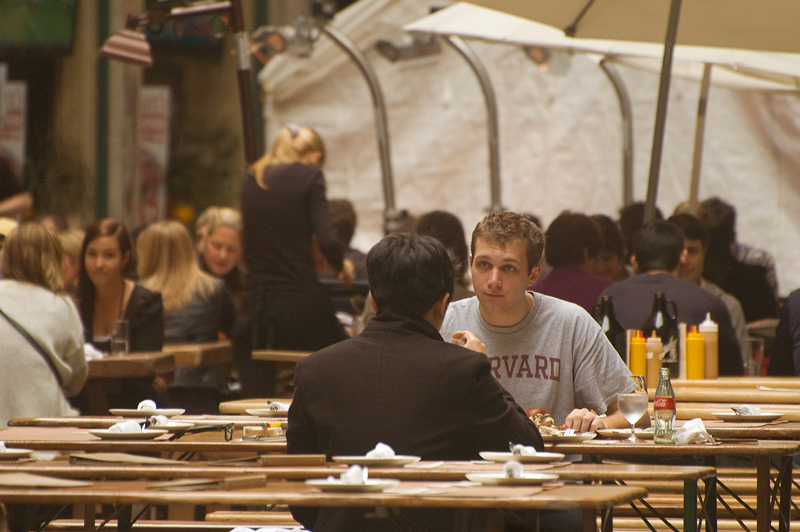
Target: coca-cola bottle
column 664, row 410
column 604, row 314
column 665, row 326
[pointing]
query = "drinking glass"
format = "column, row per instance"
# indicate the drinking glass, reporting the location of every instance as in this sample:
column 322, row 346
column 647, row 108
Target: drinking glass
column 633, row 405
column 119, row 338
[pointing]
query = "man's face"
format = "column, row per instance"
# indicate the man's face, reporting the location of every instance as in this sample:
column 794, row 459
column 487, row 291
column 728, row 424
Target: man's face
column 500, row 276
column 692, row 260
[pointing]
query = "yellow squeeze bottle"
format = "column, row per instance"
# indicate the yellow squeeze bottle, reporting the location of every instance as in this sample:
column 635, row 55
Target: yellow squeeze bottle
column 695, row 355
column 637, row 360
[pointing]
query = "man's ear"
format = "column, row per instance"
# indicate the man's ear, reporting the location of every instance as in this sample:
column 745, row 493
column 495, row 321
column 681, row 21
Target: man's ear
column 635, row 264
column 536, row 272
column 372, row 302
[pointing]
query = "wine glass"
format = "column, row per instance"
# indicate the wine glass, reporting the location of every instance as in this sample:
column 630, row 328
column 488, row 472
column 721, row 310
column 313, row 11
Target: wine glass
column 633, row 405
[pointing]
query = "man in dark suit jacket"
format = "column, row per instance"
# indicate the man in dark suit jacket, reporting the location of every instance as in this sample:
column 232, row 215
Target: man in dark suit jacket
column 657, row 252
column 399, row 383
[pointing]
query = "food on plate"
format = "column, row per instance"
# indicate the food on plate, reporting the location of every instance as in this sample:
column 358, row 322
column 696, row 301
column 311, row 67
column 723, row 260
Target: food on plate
column 544, row 421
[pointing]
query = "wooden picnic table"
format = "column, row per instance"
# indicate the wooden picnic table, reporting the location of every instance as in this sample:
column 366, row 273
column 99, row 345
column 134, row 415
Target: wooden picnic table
column 762, row 451
column 422, row 471
column 594, row 500
column 279, row 355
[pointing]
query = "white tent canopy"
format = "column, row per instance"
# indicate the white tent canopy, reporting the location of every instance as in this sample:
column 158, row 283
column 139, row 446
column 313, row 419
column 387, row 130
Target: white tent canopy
column 559, row 135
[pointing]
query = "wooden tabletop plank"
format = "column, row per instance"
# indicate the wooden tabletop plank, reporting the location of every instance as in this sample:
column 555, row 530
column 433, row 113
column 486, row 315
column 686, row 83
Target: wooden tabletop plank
column 201, row 354
column 300, row 494
column 142, row 364
column 279, row 355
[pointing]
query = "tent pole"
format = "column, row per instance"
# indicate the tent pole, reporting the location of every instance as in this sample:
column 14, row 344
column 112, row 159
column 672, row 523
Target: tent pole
column 699, row 134
column 627, row 129
column 392, row 218
column 491, row 116
column 661, row 112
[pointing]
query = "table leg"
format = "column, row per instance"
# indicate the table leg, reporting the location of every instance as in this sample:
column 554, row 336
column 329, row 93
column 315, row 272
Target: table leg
column 88, row 517
column 763, row 506
column 785, row 503
column 711, row 503
column 590, row 521
column 690, row 506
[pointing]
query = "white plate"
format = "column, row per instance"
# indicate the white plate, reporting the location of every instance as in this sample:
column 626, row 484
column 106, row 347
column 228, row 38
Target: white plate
column 372, row 484
column 732, row 416
column 397, row 461
column 505, row 457
column 575, row 438
column 147, row 434
column 500, row 479
column 266, row 412
column 646, row 434
column 132, row 412
column 614, row 434
column 13, row 454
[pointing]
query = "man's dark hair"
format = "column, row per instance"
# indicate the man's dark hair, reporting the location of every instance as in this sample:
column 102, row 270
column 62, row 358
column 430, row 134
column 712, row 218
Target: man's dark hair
column 631, row 218
column 719, row 219
column 343, row 219
column 691, row 227
column 571, row 239
column 447, row 229
column 658, row 246
column 613, row 242
column 408, row 273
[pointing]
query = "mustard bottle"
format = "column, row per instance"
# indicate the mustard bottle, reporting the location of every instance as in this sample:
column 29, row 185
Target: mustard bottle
column 695, row 355
column 637, row 360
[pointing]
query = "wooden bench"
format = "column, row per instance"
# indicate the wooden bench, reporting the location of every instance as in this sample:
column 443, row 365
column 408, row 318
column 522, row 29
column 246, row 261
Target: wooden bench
column 253, row 517
column 75, row 525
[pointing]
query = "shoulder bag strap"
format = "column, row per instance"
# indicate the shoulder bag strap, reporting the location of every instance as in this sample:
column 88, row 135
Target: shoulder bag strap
column 34, row 343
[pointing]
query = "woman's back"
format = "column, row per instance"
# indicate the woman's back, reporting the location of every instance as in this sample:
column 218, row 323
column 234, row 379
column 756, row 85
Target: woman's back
column 28, row 385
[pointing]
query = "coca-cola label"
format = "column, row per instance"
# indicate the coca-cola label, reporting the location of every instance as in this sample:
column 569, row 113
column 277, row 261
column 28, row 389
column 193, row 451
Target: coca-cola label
column 664, row 403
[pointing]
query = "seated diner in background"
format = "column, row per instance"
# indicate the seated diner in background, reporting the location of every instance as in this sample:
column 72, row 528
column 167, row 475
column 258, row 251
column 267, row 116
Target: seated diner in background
column 197, row 307
column 106, row 294
column 399, row 384
column 547, row 352
column 48, row 365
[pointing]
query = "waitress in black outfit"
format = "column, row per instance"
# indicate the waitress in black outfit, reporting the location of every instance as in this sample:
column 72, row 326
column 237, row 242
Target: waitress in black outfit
column 284, row 212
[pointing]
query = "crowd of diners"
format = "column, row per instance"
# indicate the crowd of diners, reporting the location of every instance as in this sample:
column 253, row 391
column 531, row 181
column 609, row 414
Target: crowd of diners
column 459, row 336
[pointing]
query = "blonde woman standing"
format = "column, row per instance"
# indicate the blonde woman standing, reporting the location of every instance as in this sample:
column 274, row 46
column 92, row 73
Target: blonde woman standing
column 284, row 210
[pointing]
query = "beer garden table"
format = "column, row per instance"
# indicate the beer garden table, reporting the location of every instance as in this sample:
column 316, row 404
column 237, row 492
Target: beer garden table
column 762, row 451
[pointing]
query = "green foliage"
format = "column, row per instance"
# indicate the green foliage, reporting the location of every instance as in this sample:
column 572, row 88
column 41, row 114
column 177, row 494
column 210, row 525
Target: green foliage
column 202, row 169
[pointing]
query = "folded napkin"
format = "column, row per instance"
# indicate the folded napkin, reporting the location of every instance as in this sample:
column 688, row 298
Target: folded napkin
column 147, row 405
column 158, row 421
column 748, row 410
column 693, row 431
column 355, row 475
column 91, row 352
column 381, row 451
column 276, row 405
column 128, row 426
column 512, row 469
column 523, row 450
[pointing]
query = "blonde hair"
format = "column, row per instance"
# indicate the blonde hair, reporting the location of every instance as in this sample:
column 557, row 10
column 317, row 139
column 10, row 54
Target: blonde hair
column 293, row 145
column 167, row 264
column 32, row 254
column 224, row 217
column 71, row 241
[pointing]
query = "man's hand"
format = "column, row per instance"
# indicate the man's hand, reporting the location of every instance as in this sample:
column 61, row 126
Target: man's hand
column 469, row 340
column 584, row 420
column 347, row 274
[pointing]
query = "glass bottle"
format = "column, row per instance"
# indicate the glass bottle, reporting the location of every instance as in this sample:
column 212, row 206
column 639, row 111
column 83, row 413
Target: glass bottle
column 604, row 314
column 665, row 326
column 664, row 410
